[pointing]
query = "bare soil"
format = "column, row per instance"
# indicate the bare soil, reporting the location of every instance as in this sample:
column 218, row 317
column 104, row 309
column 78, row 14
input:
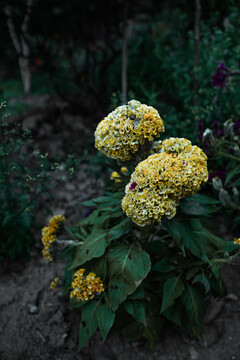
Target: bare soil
column 35, row 321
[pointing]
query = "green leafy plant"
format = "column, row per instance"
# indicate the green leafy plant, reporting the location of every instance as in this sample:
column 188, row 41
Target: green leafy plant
column 147, row 239
column 25, row 178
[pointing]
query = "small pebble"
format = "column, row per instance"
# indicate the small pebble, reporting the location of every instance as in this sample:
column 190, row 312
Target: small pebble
column 32, row 309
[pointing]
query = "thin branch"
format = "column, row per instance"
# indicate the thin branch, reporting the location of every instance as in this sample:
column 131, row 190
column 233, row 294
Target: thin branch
column 197, row 41
column 11, row 28
column 124, row 53
column 26, row 19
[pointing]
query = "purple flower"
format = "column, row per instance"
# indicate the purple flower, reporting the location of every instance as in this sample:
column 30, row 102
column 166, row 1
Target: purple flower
column 222, row 66
column 236, row 127
column 216, row 130
column 221, row 173
column 200, row 128
column 218, row 79
column 133, row 185
column 86, row 213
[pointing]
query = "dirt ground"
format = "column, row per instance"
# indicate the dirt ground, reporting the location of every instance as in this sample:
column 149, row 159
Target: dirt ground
column 35, row 322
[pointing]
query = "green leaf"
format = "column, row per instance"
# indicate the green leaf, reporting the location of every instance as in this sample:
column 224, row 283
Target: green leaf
column 192, row 272
column 173, row 229
column 131, row 259
column 172, row 289
column 105, row 317
column 138, row 294
column 163, row 266
column 136, row 308
column 99, row 267
column 133, row 331
column 204, row 199
column 89, row 323
column 123, row 228
column 203, row 280
column 91, row 219
column 216, row 281
column 128, row 266
column 94, row 202
column 232, row 173
column 152, row 330
column 158, row 247
column 120, row 288
column 94, row 246
column 174, row 313
column 190, row 206
column 193, row 303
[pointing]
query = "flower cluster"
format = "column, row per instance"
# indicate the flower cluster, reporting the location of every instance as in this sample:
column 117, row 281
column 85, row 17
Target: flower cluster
column 49, row 234
column 158, row 183
column 85, row 287
column 123, row 131
column 219, row 78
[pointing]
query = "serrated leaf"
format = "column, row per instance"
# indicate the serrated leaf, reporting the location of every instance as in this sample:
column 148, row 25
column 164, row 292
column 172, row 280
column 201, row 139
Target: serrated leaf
column 94, row 246
column 136, row 308
column 105, row 317
column 172, row 289
column 89, row 323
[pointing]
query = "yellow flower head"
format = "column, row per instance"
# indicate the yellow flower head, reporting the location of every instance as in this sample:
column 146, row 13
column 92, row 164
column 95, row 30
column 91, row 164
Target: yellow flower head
column 85, row 287
column 236, row 241
column 124, row 170
column 120, row 134
column 160, row 181
column 49, row 234
column 115, row 176
column 54, row 283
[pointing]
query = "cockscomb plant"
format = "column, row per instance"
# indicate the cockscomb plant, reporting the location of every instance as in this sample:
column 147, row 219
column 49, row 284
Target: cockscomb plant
column 145, row 254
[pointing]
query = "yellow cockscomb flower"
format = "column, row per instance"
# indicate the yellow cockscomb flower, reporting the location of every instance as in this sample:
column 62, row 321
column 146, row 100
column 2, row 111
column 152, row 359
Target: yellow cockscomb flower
column 172, row 145
column 124, row 170
column 49, row 234
column 123, row 131
column 54, row 283
column 236, row 241
column 85, row 287
column 160, row 181
column 115, row 176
